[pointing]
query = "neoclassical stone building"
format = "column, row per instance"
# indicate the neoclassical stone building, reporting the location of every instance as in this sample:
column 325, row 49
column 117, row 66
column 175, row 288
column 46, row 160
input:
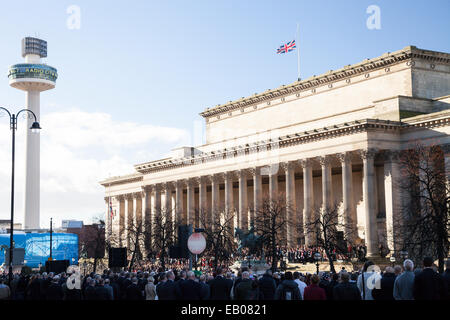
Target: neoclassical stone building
column 332, row 138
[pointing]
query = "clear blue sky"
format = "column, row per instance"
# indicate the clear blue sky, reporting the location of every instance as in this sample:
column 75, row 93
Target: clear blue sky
column 140, row 59
column 160, row 63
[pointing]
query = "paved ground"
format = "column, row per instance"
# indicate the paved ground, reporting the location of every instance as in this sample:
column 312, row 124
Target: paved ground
column 323, row 266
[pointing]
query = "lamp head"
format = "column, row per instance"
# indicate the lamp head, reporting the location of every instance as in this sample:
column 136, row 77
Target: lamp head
column 35, row 127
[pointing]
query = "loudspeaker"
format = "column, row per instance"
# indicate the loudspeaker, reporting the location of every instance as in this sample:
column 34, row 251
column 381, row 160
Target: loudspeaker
column 117, row 258
column 18, row 256
column 184, row 232
column 174, row 252
column 57, row 266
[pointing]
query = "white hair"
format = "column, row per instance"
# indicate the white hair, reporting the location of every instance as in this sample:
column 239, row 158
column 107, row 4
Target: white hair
column 408, row 265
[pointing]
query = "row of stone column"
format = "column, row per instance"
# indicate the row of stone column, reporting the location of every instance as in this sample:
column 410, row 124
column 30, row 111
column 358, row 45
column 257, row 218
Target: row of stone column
column 132, row 204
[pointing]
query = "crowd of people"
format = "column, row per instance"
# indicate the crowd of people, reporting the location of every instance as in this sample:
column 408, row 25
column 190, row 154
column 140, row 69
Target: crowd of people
column 303, row 254
column 395, row 283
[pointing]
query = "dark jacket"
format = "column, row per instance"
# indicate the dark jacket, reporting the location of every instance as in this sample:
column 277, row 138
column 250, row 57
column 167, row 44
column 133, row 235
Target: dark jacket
column 446, row 277
column 73, row 294
column 329, row 289
column 189, row 290
column 102, row 293
column 54, row 292
column 429, row 285
column 288, row 290
column 246, row 290
column 134, row 293
column 167, row 290
column 267, row 287
column 89, row 293
column 220, row 288
column 205, row 291
column 346, row 291
column 386, row 291
column 35, row 290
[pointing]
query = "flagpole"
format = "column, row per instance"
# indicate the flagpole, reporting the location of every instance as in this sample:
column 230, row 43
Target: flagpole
column 298, row 51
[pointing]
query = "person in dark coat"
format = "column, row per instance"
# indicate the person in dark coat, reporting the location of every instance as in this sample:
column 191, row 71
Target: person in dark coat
column 89, row 292
column 386, row 290
column 133, row 292
column 54, row 291
column 246, row 289
column 428, row 284
column 288, row 289
column 220, row 288
column 205, row 291
column 116, row 288
column 331, row 285
column 189, row 289
column 35, row 289
column 101, row 293
column 346, row 290
column 125, row 283
column 267, row 286
column 168, row 290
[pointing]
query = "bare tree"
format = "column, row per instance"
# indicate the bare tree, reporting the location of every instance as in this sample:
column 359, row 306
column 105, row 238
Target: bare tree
column 425, row 217
column 325, row 225
column 162, row 233
column 220, row 242
column 92, row 240
column 271, row 223
column 135, row 234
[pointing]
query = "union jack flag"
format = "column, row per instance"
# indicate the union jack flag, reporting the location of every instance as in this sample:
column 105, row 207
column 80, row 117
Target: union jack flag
column 110, row 208
column 288, row 47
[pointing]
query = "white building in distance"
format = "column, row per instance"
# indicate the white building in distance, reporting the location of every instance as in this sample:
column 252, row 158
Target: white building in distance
column 332, row 138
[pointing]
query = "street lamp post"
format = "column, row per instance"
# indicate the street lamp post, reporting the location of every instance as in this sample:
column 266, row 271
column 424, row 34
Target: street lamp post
column 317, row 257
column 13, row 127
column 392, row 259
column 51, row 239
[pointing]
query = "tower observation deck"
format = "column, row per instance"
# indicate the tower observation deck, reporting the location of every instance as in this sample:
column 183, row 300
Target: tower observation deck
column 33, row 76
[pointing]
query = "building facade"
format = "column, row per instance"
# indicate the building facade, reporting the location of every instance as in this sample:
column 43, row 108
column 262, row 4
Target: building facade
column 330, row 139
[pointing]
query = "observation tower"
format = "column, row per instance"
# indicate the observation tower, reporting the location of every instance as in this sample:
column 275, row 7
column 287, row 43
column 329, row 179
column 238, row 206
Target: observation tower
column 33, row 76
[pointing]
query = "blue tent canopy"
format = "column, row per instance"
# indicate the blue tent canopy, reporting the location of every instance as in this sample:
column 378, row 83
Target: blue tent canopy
column 37, row 247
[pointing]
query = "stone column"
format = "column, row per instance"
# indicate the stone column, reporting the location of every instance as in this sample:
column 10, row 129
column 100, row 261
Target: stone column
column 229, row 201
column 190, row 201
column 156, row 201
column 108, row 218
column 273, row 182
column 371, row 235
column 147, row 217
column 291, row 205
column 179, row 202
column 446, row 151
column 257, row 192
column 135, row 208
column 243, row 201
column 129, row 210
column 167, row 209
column 325, row 163
column 392, row 196
column 308, row 202
column 347, row 197
column 215, row 210
column 203, row 212
column 168, row 198
column 122, row 220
